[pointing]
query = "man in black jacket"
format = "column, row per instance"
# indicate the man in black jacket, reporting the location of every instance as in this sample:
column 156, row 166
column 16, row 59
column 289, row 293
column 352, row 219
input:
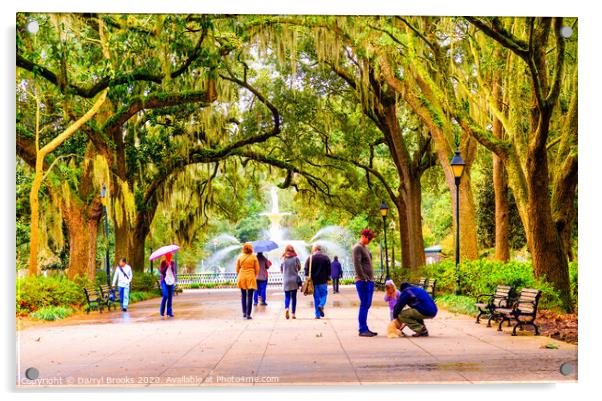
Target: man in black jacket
column 319, row 265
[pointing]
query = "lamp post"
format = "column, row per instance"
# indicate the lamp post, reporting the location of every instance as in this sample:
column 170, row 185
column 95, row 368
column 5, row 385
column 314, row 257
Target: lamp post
column 457, row 165
column 384, row 209
column 103, row 199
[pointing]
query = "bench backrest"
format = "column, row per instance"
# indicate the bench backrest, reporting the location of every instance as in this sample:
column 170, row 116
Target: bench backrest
column 527, row 301
column 106, row 291
column 92, row 294
column 429, row 286
column 422, row 282
column 502, row 295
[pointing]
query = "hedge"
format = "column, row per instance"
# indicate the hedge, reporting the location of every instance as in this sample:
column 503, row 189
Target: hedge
column 482, row 276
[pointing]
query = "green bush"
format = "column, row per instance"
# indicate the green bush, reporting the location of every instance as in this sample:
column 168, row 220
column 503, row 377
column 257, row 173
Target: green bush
column 145, row 282
column 34, row 293
column 137, row 296
column 52, row 313
column 483, row 275
column 457, row 303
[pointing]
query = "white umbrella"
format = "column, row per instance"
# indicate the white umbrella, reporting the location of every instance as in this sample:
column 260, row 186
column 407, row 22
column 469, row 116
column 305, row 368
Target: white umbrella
column 164, row 250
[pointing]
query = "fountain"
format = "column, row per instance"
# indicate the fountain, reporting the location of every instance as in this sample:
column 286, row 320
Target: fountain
column 335, row 240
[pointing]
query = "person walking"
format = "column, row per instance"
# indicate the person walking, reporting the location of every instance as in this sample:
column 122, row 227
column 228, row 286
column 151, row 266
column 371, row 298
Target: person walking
column 318, row 264
column 168, row 282
column 290, row 267
column 364, row 280
column 123, row 277
column 247, row 269
column 420, row 306
column 262, row 279
column 337, row 274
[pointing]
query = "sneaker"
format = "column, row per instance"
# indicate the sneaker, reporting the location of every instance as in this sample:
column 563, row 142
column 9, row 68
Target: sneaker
column 367, row 334
column 317, row 317
column 249, row 318
column 321, row 309
column 264, row 303
column 286, row 314
column 423, row 333
column 294, row 317
column 170, row 315
column 373, row 332
column 255, row 304
column 244, row 316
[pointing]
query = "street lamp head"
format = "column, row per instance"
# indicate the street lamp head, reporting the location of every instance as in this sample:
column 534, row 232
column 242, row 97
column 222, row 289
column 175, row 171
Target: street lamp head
column 384, row 209
column 457, row 164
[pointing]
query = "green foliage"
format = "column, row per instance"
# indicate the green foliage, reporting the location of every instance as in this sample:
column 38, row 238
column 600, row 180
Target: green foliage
column 144, row 282
column 137, row 296
column 34, row 293
column 482, row 276
column 52, row 313
column 457, row 303
column 485, row 214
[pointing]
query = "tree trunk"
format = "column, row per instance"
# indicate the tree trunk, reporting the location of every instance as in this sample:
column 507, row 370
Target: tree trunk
column 82, row 227
column 549, row 259
column 502, row 208
column 403, row 233
column 500, row 185
column 413, row 199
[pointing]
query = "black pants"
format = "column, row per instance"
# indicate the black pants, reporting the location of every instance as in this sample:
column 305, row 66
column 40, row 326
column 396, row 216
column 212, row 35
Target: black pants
column 246, row 297
column 335, row 284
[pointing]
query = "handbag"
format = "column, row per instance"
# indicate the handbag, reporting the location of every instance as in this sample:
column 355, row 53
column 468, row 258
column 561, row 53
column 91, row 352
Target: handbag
column 308, row 285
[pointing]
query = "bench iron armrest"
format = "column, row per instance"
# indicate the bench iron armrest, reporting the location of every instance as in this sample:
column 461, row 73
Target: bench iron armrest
column 489, row 296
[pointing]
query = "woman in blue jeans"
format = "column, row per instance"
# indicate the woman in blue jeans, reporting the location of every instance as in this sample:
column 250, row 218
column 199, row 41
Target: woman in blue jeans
column 290, row 267
column 168, row 281
column 262, row 279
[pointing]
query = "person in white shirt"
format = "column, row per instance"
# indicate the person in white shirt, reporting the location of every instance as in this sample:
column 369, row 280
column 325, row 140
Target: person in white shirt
column 122, row 277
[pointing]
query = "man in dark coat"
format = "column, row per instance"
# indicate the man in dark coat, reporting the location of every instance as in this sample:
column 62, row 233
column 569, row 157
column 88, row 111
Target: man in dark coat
column 320, row 274
column 336, row 273
column 420, row 306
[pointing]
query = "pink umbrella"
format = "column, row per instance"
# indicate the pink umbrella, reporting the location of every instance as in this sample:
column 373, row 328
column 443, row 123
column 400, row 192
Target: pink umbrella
column 164, row 250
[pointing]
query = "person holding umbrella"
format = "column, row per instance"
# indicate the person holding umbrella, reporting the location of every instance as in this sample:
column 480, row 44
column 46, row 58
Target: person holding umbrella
column 247, row 268
column 168, row 276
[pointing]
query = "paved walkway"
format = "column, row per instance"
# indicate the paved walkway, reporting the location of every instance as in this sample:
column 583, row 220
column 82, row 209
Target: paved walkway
column 208, row 343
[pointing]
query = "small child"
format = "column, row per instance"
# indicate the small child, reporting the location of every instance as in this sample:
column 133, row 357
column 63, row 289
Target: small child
column 391, row 295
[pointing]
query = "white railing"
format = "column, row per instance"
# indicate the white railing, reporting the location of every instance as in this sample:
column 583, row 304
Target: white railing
column 228, row 279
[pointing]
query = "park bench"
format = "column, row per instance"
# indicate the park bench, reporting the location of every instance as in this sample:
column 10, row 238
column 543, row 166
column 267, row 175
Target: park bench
column 426, row 284
column 523, row 311
column 94, row 299
column 110, row 296
column 488, row 303
column 176, row 289
column 379, row 282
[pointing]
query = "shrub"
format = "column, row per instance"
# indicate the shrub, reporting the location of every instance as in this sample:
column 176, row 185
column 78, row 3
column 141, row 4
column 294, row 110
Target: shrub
column 52, row 313
column 143, row 282
column 137, row 296
column 457, row 304
column 482, row 276
column 34, row 293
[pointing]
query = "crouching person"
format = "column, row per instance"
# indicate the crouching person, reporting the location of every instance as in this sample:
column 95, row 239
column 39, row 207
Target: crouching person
column 420, row 306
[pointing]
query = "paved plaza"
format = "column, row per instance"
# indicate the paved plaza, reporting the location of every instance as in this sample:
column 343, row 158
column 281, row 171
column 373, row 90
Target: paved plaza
column 208, row 343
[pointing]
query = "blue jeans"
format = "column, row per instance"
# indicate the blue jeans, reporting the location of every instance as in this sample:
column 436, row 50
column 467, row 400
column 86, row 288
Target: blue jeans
column 124, row 297
column 320, row 293
column 262, row 285
column 167, row 291
column 365, row 289
column 288, row 296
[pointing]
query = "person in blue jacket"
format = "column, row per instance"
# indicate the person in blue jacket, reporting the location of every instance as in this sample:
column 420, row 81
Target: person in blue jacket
column 420, row 306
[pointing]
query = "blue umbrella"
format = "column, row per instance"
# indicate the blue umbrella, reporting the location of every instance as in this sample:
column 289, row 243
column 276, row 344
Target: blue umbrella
column 264, row 245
